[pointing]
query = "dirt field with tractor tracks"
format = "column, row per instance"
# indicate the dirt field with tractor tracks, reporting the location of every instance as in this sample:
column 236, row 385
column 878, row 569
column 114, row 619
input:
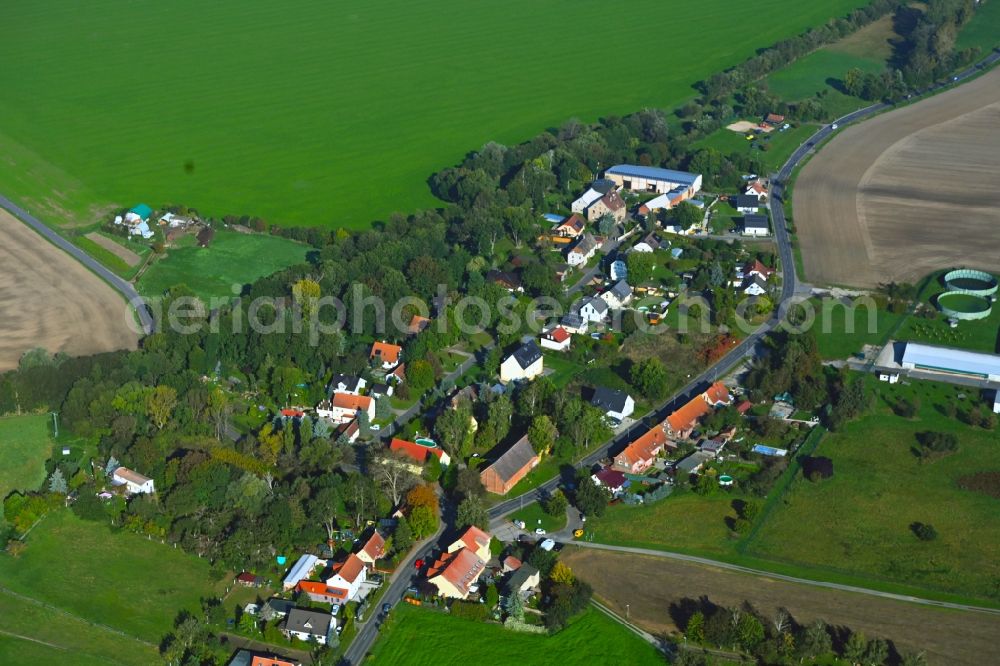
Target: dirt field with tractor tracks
column 47, row 299
column 906, row 193
column 651, row 585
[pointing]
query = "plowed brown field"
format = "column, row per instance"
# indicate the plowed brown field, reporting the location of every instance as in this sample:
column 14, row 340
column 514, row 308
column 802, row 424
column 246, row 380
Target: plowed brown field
column 47, row 299
column 906, row 193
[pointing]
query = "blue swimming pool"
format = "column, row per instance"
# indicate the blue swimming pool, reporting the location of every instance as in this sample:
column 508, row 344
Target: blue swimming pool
column 769, row 450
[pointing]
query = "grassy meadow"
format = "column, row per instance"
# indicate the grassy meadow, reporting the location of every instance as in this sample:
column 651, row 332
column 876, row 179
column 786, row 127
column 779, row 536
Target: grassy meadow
column 982, row 29
column 415, row 636
column 231, row 258
column 326, row 113
column 25, row 445
column 118, row 579
column 858, row 522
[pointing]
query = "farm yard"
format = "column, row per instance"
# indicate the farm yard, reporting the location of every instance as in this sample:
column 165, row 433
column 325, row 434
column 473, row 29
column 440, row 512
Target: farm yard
column 653, row 587
column 336, row 131
column 591, row 638
column 866, row 191
column 65, row 299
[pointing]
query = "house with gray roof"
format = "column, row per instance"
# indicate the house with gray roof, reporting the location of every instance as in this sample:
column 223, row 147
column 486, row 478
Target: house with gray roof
column 582, row 251
column 618, row 296
column 309, row 624
column 653, row 179
column 525, row 579
column 525, row 363
column 755, row 225
column 615, row 403
column 593, row 310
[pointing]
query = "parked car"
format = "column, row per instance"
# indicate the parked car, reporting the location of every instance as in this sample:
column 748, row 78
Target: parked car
column 375, row 427
column 519, row 524
column 547, row 544
column 540, row 531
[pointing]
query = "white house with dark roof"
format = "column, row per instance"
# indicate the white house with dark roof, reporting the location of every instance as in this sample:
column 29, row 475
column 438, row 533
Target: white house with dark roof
column 755, row 286
column 582, row 251
column 308, row 625
column 347, row 384
column 618, row 296
column 755, row 225
column 593, row 310
column 525, row 363
column 746, row 203
column 615, row 404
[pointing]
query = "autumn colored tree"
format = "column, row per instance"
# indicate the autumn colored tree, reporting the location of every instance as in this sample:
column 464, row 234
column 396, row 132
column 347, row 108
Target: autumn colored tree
column 422, row 495
column 561, row 573
column 160, row 403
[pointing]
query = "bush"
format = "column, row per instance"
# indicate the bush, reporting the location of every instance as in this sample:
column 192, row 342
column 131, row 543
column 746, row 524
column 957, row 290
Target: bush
column 924, row 531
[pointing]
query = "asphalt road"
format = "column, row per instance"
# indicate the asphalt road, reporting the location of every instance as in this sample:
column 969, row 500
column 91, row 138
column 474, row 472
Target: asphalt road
column 790, row 579
column 124, row 287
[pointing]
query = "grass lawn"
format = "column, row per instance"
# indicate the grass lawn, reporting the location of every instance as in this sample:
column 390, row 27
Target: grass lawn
column 60, row 639
column 779, row 145
column 592, row 638
column 562, row 369
column 232, row 258
column 981, row 335
column 25, row 445
column 115, row 578
column 685, row 521
column 835, row 341
column 533, row 513
column 859, row 520
column 110, row 260
column 343, row 126
column 981, row 30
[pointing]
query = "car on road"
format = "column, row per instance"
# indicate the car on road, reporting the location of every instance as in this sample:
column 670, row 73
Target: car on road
column 540, row 531
column 834, row 126
column 577, row 534
column 547, row 544
column 418, row 565
column 386, row 607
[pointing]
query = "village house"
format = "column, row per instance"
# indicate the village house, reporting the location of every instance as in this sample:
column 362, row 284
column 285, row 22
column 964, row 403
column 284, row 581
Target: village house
column 345, row 407
column 639, row 456
column 574, row 323
column 276, row 608
column 618, row 296
column 248, row 658
column 350, row 431
column 320, row 592
column 582, row 251
column 373, row 550
column 475, row 540
column 773, row 119
column 385, row 354
column 612, row 479
column 247, row 579
column 524, row 364
column 755, row 286
column 757, row 268
column 504, row 473
column 692, row 463
column 397, row 374
column 652, row 179
column 417, row 324
column 593, row 310
column 416, row 455
column 682, row 422
column 135, row 483
column 570, row 227
column 347, row 384
column 649, row 243
column 454, row 573
column 524, row 580
column 615, row 404
column 610, row 204
column 308, row 625
column 581, row 205
column 381, row 390
column 349, row 576
column 755, row 225
column 619, row 270
column 756, row 188
column 746, row 203
column 506, row 280
column 667, row 200
column 556, row 339
column 510, row 563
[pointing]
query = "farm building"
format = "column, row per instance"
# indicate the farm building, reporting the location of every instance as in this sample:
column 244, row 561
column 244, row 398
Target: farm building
column 581, row 205
column 504, row 473
column 755, row 225
column 652, row 179
column 300, row 571
column 951, row 361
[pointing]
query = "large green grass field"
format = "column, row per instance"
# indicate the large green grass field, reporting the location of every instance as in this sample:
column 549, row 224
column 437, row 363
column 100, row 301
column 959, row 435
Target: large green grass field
column 416, row 636
column 313, row 112
column 231, row 259
column 25, row 445
column 858, row 522
column 117, row 579
column 982, row 29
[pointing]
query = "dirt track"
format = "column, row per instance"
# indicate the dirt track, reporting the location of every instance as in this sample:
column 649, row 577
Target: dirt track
column 120, row 251
column 649, row 585
column 906, row 193
column 49, row 300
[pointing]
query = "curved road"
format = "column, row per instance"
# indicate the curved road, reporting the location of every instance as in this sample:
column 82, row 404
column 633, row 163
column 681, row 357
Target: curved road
column 124, row 287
